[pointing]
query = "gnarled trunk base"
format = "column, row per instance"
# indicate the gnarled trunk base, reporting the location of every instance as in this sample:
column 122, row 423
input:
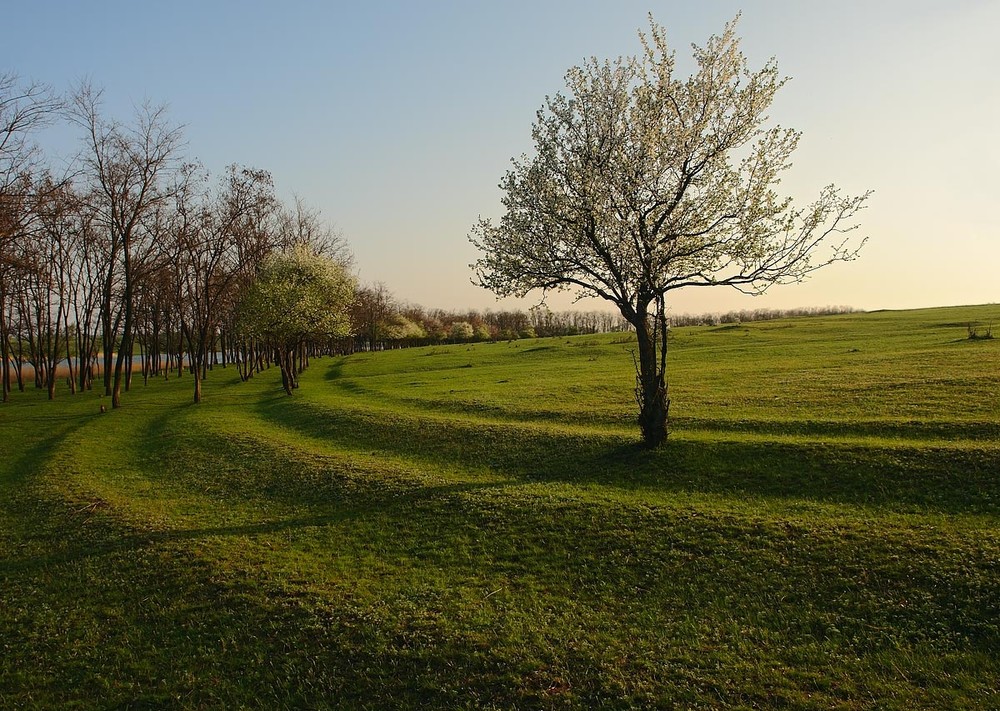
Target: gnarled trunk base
column 653, row 417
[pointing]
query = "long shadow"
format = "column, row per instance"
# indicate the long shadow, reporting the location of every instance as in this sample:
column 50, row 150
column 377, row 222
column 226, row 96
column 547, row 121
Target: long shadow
column 317, row 493
column 519, row 538
column 911, row 430
column 334, row 370
column 32, row 515
column 334, row 375
column 948, row 480
column 244, row 468
column 905, row 479
column 179, row 630
column 110, row 540
column 32, row 459
column 157, row 588
column 880, row 429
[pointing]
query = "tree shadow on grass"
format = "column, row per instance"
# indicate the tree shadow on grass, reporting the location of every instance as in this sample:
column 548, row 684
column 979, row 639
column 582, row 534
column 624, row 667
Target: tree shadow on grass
column 17, row 471
column 334, row 370
column 899, row 476
column 161, row 626
column 908, row 430
column 104, row 539
column 30, row 516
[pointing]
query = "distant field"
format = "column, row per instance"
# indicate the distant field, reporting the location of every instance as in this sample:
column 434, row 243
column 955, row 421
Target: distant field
column 476, row 527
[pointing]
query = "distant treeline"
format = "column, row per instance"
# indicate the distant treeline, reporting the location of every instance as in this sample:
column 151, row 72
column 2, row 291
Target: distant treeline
column 744, row 315
column 379, row 322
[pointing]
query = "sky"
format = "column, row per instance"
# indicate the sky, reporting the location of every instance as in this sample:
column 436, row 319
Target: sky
column 397, row 119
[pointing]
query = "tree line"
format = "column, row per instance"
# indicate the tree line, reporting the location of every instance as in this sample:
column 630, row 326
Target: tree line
column 736, row 316
column 137, row 254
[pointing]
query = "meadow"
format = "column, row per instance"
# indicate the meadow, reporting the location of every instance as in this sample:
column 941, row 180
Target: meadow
column 475, row 526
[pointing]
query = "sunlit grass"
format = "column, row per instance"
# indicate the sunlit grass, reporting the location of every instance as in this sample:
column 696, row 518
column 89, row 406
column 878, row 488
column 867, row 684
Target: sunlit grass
column 476, row 526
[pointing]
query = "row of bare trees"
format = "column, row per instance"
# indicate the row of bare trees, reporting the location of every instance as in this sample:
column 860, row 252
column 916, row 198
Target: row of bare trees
column 133, row 254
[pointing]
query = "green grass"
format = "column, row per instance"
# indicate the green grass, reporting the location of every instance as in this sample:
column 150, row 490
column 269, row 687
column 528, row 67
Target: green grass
column 476, row 527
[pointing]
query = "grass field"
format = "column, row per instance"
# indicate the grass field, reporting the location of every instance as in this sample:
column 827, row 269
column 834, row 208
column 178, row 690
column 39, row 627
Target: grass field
column 476, row 527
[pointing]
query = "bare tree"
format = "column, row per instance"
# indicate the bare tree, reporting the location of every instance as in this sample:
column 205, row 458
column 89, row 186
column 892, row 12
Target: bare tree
column 643, row 183
column 130, row 170
column 24, row 107
column 260, row 229
column 14, row 213
column 302, row 224
column 49, row 280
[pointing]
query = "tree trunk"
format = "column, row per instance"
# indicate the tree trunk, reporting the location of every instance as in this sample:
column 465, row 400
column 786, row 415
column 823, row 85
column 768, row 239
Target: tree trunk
column 19, row 365
column 4, row 355
column 167, row 347
column 286, row 364
column 651, row 387
column 69, row 356
column 108, row 338
column 196, row 354
column 52, row 357
column 199, row 356
column 124, row 350
column 4, row 375
column 128, row 367
column 197, row 386
column 119, row 379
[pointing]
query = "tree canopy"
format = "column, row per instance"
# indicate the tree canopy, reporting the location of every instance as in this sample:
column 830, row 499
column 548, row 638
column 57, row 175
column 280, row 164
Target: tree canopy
column 298, row 296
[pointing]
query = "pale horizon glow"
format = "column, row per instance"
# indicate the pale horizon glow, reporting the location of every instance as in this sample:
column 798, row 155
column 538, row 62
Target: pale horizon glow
column 397, row 119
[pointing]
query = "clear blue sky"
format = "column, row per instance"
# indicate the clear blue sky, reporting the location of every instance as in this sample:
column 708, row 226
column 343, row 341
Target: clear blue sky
column 397, row 118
